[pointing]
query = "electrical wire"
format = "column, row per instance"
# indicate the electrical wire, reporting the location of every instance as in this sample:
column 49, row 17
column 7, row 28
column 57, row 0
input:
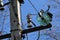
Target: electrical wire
column 21, row 17
column 33, row 6
column 33, row 23
column 9, row 39
column 2, row 22
column 4, row 18
column 27, row 36
column 38, row 14
column 38, row 35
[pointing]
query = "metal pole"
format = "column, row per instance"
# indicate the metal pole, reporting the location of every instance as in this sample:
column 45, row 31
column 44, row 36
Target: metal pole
column 15, row 21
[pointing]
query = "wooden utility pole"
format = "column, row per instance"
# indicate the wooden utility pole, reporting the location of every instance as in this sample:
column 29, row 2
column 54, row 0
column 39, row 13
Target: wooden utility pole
column 15, row 20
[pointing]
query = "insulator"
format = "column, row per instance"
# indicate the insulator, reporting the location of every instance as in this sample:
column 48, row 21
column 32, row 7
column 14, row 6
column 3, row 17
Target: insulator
column 1, row 8
column 29, row 25
column 1, row 5
column 28, row 18
column 41, row 12
column 29, row 21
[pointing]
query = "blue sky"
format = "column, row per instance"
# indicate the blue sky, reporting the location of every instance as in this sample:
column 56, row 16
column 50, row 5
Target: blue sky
column 27, row 8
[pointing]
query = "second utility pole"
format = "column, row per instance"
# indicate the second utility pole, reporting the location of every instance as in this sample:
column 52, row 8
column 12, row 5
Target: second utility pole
column 15, row 20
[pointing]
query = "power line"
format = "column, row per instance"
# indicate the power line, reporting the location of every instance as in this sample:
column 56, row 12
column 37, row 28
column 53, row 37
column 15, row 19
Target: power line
column 38, row 35
column 21, row 18
column 39, row 15
column 33, row 6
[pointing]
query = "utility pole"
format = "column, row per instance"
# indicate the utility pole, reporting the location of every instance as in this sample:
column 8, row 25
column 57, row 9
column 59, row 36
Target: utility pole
column 15, row 21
